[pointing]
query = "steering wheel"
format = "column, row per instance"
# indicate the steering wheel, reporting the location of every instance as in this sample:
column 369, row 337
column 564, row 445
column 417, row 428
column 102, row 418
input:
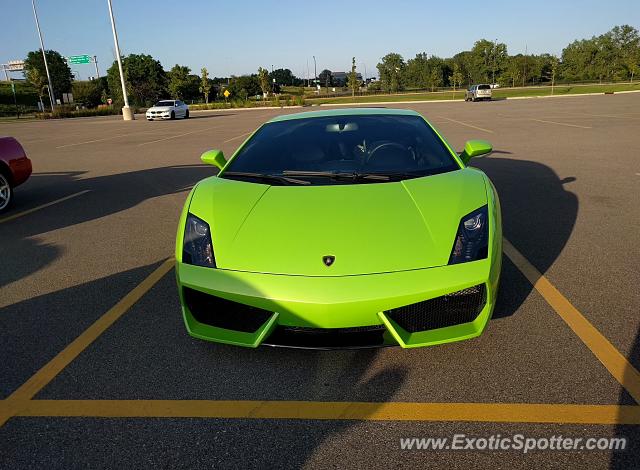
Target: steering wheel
column 387, row 146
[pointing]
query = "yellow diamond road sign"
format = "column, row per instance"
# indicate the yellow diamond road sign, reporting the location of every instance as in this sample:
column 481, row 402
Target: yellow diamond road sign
column 226, row 93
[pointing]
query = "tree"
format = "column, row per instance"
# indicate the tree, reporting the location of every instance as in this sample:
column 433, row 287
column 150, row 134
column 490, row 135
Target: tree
column 145, row 79
column 627, row 43
column 391, row 70
column 87, row 93
column 436, row 72
column 37, row 80
column 61, row 76
column 352, row 79
column 465, row 64
column 191, row 89
column 265, row 83
column 488, row 60
column 178, row 81
column 283, row 77
column 245, row 86
column 205, row 86
column 456, row 77
column 326, row 78
column 513, row 71
column 417, row 74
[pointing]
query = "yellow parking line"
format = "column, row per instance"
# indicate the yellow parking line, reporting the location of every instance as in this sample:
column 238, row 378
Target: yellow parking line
column 561, row 124
column 37, row 208
column 468, row 125
column 21, row 396
column 618, row 365
column 363, row 411
column 20, row 402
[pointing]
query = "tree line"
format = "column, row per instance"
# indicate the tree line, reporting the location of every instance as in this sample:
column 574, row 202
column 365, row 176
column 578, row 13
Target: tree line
column 612, row 56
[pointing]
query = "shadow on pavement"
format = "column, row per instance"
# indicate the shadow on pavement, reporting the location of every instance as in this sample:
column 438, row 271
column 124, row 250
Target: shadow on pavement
column 107, row 195
column 147, row 354
column 629, row 458
column 538, row 216
column 33, row 331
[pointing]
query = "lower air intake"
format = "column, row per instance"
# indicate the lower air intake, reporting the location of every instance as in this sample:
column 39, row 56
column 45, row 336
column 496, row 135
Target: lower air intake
column 223, row 313
column 451, row 309
column 327, row 338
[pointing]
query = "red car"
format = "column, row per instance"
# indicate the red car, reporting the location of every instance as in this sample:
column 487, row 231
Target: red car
column 15, row 169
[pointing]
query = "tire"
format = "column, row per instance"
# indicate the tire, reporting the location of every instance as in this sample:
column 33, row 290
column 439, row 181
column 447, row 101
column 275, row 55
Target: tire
column 173, row 115
column 186, row 114
column 6, row 192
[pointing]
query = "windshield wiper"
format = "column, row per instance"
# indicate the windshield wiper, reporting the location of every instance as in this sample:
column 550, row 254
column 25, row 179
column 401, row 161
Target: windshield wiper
column 354, row 176
column 264, row 177
column 320, row 174
column 389, row 176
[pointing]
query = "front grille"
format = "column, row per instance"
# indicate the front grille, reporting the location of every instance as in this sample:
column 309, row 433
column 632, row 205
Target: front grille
column 223, row 313
column 327, row 338
column 451, row 309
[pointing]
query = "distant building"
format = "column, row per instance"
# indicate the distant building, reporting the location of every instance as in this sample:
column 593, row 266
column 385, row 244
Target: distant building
column 340, row 78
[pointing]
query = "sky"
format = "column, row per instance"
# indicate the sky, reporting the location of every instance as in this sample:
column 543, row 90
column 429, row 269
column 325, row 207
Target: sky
column 235, row 38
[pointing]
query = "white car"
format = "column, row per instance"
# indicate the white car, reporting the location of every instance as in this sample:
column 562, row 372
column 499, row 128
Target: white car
column 168, row 109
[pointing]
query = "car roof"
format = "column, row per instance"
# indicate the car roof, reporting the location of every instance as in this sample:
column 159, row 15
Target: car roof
column 346, row 112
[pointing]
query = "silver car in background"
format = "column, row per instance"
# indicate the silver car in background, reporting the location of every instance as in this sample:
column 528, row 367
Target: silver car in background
column 478, row 92
column 168, row 109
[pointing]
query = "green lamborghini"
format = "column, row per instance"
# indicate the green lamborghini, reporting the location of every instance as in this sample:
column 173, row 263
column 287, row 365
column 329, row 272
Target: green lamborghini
column 341, row 229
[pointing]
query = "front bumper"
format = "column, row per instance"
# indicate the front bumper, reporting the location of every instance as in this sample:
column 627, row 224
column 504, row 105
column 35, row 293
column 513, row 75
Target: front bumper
column 158, row 116
column 339, row 303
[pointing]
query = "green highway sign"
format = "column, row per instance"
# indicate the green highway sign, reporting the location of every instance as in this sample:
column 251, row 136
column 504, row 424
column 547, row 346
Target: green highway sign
column 79, row 59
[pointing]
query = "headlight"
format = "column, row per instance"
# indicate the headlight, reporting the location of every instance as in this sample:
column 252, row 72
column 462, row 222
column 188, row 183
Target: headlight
column 196, row 246
column 472, row 239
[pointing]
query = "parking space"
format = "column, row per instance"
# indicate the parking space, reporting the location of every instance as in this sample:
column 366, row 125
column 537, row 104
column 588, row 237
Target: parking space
column 98, row 360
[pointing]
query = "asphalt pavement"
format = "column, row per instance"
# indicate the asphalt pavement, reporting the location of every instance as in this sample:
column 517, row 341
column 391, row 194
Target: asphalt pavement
column 99, row 370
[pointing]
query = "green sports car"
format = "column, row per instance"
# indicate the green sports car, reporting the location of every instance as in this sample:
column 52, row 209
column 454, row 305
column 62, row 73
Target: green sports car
column 346, row 228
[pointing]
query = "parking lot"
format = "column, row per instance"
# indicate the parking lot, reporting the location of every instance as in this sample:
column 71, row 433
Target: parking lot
column 98, row 366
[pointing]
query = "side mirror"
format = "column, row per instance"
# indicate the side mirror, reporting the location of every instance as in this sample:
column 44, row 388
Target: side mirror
column 475, row 148
column 215, row 158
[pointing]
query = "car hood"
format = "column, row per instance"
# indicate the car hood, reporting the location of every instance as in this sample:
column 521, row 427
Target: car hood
column 368, row 228
column 160, row 108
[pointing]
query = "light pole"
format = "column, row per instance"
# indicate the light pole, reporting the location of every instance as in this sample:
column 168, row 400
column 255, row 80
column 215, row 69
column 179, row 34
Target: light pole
column 44, row 56
column 315, row 73
column 127, row 115
column 365, row 76
column 495, row 52
column 95, row 62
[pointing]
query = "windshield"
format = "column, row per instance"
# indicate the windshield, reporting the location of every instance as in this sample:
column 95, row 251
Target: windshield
column 342, row 150
column 164, row 103
column 484, row 87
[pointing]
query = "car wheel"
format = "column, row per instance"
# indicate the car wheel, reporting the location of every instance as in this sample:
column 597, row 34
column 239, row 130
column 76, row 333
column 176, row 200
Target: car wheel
column 186, row 114
column 173, row 115
column 6, row 192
